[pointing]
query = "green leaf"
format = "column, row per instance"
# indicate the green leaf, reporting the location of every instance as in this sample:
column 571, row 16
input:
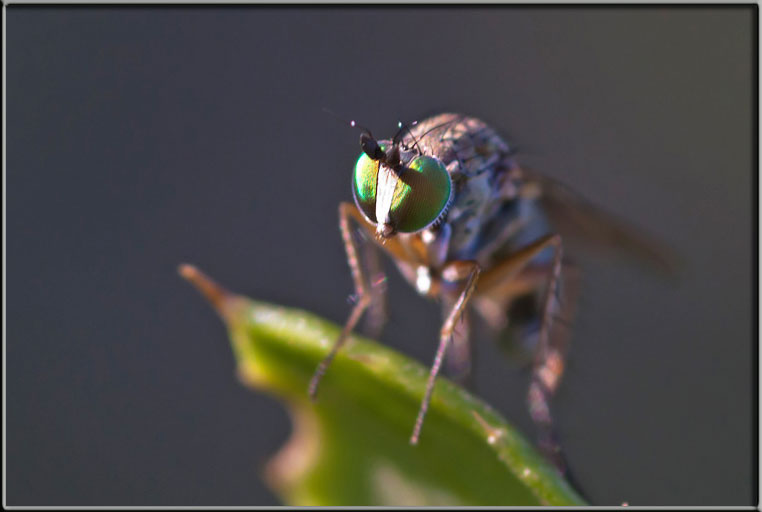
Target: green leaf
column 351, row 446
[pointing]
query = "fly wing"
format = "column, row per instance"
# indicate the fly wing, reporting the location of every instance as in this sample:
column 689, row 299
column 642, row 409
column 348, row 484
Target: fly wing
column 578, row 220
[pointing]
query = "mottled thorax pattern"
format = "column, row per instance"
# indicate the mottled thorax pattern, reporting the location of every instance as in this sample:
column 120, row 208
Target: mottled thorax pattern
column 477, row 160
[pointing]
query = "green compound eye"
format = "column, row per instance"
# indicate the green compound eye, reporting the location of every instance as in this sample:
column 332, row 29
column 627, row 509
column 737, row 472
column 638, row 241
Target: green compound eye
column 364, row 182
column 421, row 196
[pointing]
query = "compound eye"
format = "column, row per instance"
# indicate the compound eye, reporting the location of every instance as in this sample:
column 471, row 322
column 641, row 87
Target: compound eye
column 364, row 182
column 422, row 195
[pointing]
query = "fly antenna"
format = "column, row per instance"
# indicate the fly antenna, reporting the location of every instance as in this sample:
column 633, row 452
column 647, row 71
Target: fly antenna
column 403, row 127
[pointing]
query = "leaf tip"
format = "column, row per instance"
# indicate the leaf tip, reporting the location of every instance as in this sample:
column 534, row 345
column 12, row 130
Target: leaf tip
column 218, row 297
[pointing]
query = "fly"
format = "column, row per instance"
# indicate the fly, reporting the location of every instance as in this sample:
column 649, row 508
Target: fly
column 466, row 224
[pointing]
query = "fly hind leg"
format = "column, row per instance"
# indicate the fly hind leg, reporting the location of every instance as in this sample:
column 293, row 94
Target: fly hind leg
column 512, row 279
column 549, row 360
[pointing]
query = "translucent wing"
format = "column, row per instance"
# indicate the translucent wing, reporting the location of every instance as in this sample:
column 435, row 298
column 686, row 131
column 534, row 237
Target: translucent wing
column 580, row 222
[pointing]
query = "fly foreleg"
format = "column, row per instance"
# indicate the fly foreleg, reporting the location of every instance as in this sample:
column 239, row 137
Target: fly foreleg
column 362, row 292
column 457, row 271
column 376, row 316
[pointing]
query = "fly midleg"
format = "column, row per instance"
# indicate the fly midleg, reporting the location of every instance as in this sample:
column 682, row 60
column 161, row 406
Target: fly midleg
column 460, row 270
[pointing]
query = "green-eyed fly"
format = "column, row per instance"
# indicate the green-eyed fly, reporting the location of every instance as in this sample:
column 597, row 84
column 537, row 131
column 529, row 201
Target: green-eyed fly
column 465, row 224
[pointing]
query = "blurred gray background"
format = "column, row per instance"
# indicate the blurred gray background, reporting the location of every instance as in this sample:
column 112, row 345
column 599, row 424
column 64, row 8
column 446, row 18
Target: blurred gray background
column 139, row 138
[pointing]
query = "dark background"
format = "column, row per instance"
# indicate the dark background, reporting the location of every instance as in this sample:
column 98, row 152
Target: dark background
column 139, row 138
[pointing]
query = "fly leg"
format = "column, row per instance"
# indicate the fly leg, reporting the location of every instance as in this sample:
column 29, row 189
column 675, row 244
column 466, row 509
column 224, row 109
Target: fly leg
column 376, row 316
column 454, row 272
column 548, row 366
column 362, row 292
column 459, row 360
column 511, row 279
column 562, row 311
column 363, row 289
